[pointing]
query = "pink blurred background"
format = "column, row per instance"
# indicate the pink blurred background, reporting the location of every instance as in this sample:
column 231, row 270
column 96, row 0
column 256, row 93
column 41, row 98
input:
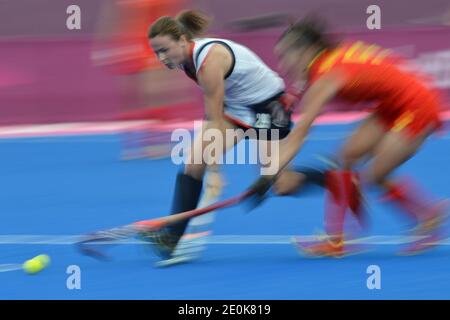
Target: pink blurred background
column 50, row 74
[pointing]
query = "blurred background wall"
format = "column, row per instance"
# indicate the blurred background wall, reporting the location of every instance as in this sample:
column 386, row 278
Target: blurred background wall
column 50, row 74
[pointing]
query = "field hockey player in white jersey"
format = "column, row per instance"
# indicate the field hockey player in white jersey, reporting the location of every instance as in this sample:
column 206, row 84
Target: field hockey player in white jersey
column 240, row 93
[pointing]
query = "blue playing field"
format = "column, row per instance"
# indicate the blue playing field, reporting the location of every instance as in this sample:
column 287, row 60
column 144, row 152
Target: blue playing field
column 63, row 186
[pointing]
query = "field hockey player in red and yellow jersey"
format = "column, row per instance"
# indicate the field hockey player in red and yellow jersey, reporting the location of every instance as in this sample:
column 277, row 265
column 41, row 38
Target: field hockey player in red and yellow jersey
column 406, row 112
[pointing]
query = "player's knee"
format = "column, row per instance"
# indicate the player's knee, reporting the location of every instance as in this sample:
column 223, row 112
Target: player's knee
column 288, row 183
column 196, row 171
column 348, row 159
column 373, row 178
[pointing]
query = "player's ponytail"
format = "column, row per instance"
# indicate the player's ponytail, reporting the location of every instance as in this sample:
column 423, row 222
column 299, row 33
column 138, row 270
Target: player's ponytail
column 194, row 22
column 190, row 23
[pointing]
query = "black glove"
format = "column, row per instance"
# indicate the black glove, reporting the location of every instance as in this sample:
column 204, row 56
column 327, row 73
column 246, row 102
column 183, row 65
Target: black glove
column 262, row 185
column 259, row 189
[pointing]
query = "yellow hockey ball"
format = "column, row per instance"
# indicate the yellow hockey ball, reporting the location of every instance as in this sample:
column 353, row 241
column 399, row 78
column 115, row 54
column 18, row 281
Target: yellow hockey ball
column 36, row 264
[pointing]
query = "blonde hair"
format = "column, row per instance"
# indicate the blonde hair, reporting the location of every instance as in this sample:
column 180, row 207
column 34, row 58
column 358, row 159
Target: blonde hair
column 191, row 23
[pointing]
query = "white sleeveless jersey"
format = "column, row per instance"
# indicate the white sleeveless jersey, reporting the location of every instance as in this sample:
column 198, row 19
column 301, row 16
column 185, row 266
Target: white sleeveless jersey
column 250, row 82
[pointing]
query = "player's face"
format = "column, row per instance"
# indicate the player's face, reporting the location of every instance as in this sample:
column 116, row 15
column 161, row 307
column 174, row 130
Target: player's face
column 291, row 61
column 170, row 52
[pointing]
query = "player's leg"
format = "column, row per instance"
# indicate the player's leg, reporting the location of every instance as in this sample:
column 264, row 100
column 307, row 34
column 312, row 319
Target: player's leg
column 342, row 187
column 198, row 230
column 342, row 183
column 187, row 191
column 394, row 150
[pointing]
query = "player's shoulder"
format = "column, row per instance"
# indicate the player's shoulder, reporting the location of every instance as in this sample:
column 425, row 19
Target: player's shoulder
column 215, row 48
column 207, row 42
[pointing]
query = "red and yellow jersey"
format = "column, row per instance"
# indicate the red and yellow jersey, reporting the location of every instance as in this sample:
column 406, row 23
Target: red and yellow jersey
column 372, row 74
